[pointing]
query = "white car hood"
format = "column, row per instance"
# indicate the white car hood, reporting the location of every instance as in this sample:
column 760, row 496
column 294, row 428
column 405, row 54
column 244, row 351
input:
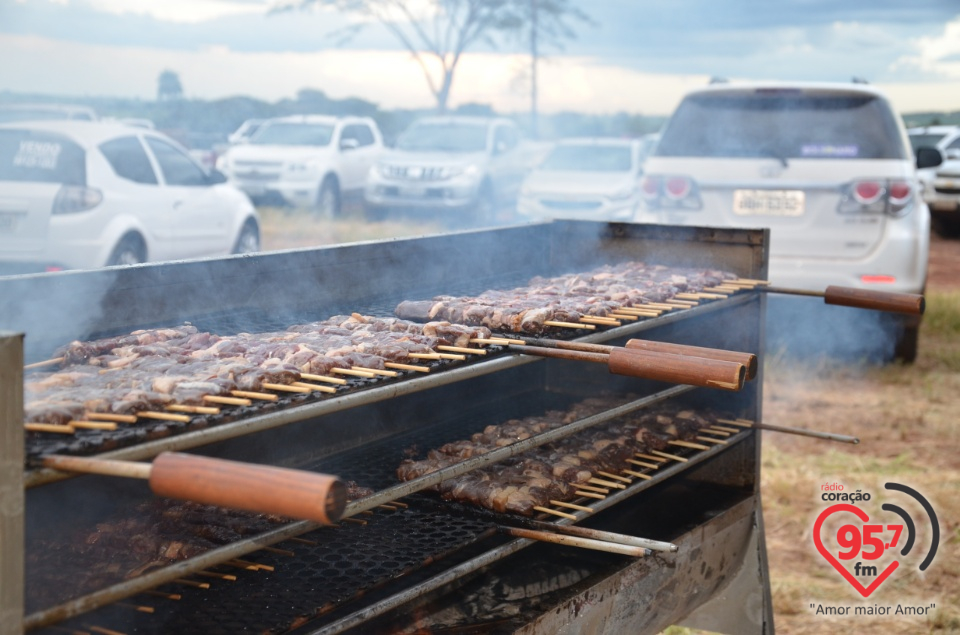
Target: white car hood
column 432, row 159
column 571, row 182
column 277, row 153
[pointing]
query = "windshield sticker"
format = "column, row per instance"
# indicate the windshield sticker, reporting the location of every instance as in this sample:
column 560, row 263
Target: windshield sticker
column 37, row 154
column 828, row 150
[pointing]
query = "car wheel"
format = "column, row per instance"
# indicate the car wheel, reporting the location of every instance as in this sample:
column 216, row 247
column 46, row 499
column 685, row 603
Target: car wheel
column 905, row 348
column 248, row 241
column 328, row 199
column 129, row 251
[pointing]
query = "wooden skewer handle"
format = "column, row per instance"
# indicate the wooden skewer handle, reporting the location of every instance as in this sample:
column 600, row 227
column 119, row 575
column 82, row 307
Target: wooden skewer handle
column 575, row 541
column 608, row 536
column 677, row 369
column 749, row 360
column 257, row 488
column 909, row 303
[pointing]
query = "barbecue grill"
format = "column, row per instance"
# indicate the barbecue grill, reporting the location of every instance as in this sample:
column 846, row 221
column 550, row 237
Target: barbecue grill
column 421, row 564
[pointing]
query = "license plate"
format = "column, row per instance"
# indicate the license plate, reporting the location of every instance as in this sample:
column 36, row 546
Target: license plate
column 768, row 202
column 415, row 191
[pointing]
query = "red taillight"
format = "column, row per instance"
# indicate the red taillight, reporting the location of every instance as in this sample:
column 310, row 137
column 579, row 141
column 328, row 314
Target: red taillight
column 867, row 192
column 868, row 279
column 677, row 187
column 650, row 187
column 899, row 191
column 53, row 268
column 76, row 198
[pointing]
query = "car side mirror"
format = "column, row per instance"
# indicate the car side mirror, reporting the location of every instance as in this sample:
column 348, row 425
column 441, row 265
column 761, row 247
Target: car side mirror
column 349, row 144
column 928, row 158
column 216, row 177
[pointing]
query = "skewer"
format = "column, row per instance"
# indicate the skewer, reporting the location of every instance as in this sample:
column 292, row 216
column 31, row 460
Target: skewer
column 589, row 319
column 571, row 506
column 714, row 441
column 424, row 355
column 683, row 304
column 198, row 410
column 92, row 425
column 461, row 349
column 498, row 341
column 597, row 534
column 591, row 488
column 568, row 325
column 667, row 367
column 161, row 594
column 614, row 476
column 247, row 563
column 830, row 436
column 418, row 369
column 303, row 541
column 644, row 309
column 355, row 521
column 46, row 362
column 908, row 303
column 193, row 583
column 265, row 396
column 214, row 574
column 227, row 401
column 109, row 416
column 589, row 494
column 377, row 371
column 658, row 459
column 55, row 428
column 68, row 630
column 278, row 551
column 256, row 488
column 749, row 281
column 662, row 306
column 712, row 430
column 645, row 477
column 652, row 466
column 354, row 373
column 102, row 630
column 399, row 504
column 325, row 379
column 573, row 541
column 670, row 456
column 687, row 444
column 285, row 388
column 388, row 507
column 749, row 360
column 621, row 317
column 724, row 429
column 314, row 387
column 163, row 416
column 603, row 483
column 136, row 607
column 547, row 510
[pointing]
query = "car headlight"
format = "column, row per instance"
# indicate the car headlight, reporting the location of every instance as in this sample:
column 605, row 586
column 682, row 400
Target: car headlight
column 223, row 163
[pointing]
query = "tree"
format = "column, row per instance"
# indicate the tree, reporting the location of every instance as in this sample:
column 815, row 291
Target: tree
column 168, row 86
column 436, row 31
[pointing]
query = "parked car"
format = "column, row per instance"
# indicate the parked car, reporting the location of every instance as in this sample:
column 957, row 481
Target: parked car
column 827, row 167
column 590, row 178
column 941, row 184
column 305, row 160
column 465, row 167
column 45, row 112
column 246, row 130
column 79, row 195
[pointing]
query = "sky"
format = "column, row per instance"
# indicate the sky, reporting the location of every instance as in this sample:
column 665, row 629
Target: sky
column 637, row 56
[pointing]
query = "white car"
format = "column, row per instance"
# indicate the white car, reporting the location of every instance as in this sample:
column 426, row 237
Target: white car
column 591, row 178
column 941, row 185
column 80, row 195
column 826, row 166
column 309, row 161
column 465, row 168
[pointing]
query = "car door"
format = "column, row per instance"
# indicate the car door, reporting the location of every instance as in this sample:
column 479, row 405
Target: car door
column 200, row 219
column 358, row 151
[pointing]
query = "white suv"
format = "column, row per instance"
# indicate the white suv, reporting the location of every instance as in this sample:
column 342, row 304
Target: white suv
column 826, row 166
column 305, row 160
column 941, row 185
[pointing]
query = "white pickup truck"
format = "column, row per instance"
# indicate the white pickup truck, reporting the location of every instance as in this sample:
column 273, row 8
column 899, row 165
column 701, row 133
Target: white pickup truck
column 466, row 168
column 308, row 161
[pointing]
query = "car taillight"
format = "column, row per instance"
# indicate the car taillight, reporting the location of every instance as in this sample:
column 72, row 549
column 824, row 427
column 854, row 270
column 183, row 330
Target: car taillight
column 76, row 198
column 876, row 196
column 670, row 192
column 877, row 279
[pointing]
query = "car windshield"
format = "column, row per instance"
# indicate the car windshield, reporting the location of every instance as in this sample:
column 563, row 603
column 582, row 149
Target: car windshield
column 589, row 158
column 925, row 140
column 444, row 137
column 782, row 124
column 41, row 157
column 293, row 134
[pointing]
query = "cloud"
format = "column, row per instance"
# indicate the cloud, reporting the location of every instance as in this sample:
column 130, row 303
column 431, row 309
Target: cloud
column 935, row 56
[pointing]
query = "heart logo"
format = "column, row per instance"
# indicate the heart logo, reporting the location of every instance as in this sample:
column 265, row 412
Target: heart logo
column 862, row 515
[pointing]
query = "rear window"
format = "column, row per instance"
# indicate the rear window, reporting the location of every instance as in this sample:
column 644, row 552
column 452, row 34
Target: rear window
column 782, row 124
column 41, row 157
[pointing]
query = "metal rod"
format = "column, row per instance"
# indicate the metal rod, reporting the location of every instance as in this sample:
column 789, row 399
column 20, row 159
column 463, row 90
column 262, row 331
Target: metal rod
column 12, row 499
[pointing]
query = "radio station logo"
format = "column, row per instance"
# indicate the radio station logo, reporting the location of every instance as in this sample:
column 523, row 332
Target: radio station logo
column 867, row 551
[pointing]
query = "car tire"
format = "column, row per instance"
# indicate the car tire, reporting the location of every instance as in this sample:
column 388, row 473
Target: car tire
column 248, row 241
column 905, row 348
column 328, row 199
column 129, row 251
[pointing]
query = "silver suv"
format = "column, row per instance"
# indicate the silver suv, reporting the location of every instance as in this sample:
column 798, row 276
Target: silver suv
column 827, row 167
